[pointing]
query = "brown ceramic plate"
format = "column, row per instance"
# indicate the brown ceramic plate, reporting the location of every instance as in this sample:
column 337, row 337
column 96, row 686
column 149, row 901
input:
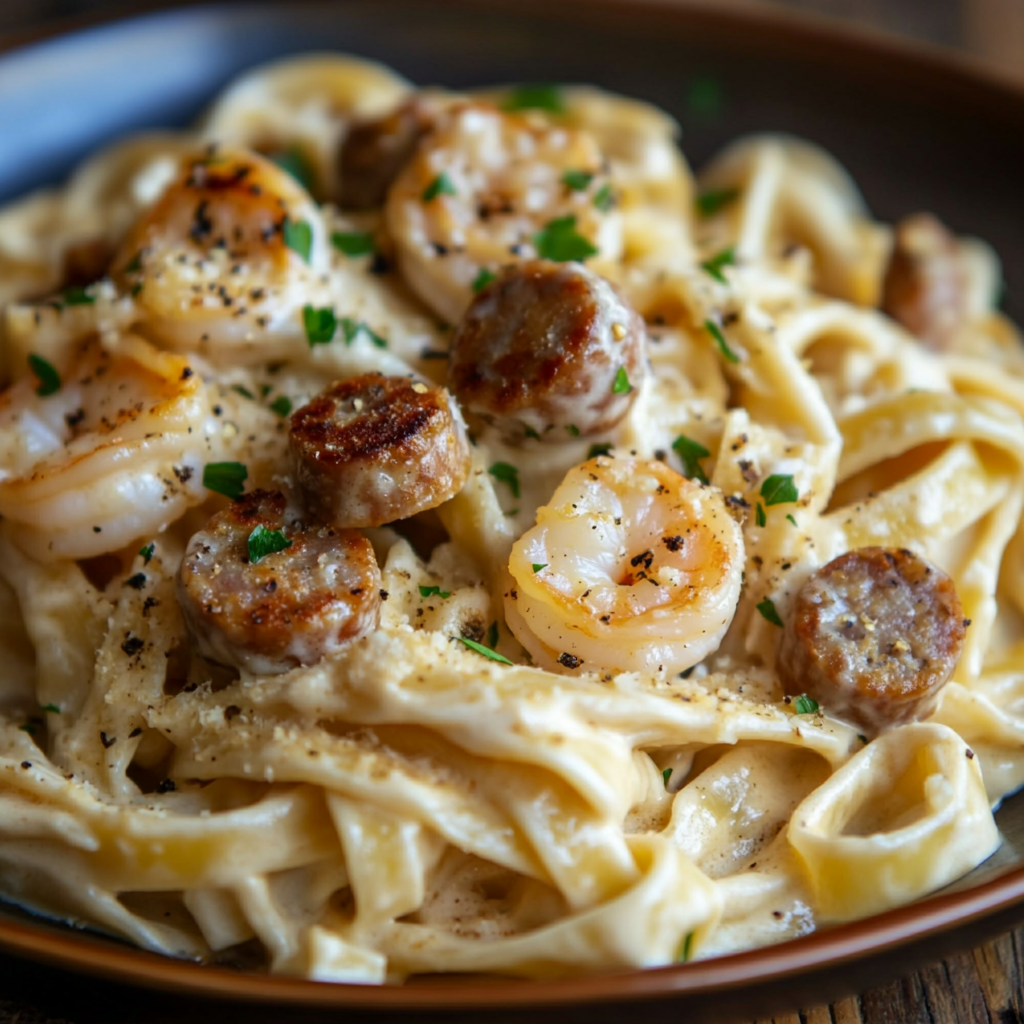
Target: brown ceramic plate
column 918, row 130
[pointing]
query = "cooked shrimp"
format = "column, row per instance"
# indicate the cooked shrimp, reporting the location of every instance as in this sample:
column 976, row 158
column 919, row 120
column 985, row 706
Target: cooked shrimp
column 480, row 190
column 109, row 456
column 630, row 567
column 373, row 449
column 303, row 592
column 226, row 254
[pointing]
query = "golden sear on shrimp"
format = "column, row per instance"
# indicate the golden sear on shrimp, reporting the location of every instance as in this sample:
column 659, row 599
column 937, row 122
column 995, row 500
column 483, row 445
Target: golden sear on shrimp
column 630, row 567
column 108, row 451
column 481, row 188
column 229, row 249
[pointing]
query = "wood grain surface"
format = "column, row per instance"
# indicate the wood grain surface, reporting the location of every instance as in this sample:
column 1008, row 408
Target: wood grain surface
column 985, row 984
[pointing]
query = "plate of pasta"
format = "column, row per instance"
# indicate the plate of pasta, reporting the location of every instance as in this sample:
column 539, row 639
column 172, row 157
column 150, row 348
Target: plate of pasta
column 461, row 530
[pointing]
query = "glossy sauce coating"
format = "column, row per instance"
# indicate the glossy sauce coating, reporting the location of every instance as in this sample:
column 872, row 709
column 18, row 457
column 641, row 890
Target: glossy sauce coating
column 290, row 607
column 549, row 349
column 374, row 449
column 873, row 636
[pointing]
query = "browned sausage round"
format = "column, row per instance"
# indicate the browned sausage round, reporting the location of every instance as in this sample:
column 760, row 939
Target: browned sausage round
column 289, row 607
column 373, row 449
column 373, row 152
column 548, row 349
column 873, row 636
column 926, row 284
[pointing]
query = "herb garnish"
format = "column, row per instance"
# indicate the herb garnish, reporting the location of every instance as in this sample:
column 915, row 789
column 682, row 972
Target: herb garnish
column 294, row 162
column 430, row 591
column 767, row 610
column 51, row 708
column 712, row 200
column 572, row 430
column 559, row 241
column 507, row 474
column 604, row 199
column 353, row 243
column 789, row 516
column 263, row 542
column 492, row 635
column 136, row 582
column 723, row 346
column 320, row 324
column 535, row 97
column 46, row 374
column 598, row 449
column 666, row 774
column 759, row 517
column 243, row 391
column 351, row 328
column 485, row 651
column 483, row 279
column 725, row 258
column 147, row 552
column 686, row 949
column 805, row 705
column 537, row 566
column 621, row 385
column 227, row 478
column 441, row 185
column 282, row 405
column 298, row 236
column 779, row 489
column 77, row 296
column 577, row 180
column 690, row 453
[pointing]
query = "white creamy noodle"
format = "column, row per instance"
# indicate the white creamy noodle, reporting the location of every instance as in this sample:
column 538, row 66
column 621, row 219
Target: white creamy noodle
column 564, row 747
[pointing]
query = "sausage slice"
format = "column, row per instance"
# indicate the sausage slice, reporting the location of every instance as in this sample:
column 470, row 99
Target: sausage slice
column 373, row 449
column 288, row 608
column 873, row 636
column 548, row 349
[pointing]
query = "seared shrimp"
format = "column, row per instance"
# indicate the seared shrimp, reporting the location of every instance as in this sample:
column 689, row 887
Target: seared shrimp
column 373, row 449
column 101, row 452
column 483, row 188
column 265, row 592
column 630, row 567
column 226, row 253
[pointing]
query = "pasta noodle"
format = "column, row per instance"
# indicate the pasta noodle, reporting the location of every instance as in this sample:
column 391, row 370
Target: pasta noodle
column 516, row 758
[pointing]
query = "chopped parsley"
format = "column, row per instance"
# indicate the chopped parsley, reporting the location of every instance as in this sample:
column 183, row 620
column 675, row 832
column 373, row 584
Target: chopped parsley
column 431, row 591
column 666, row 774
column 537, row 566
column 598, row 449
column 441, row 185
column 320, row 324
column 136, row 582
column 483, row 279
column 577, row 180
column 789, row 516
column 535, row 97
column 621, row 385
column 507, row 474
column 704, row 98
column 294, row 162
column 723, row 346
column 353, row 243
column 559, row 241
column 51, row 708
column 530, row 432
column 712, row 200
column 685, row 949
column 227, row 478
column 147, row 552
column 134, row 265
column 779, row 489
column 46, row 374
column 604, row 198
column 759, row 517
column 805, row 705
column 768, row 612
column 77, row 296
column 282, row 405
column 690, row 453
column 263, row 542
column 298, row 236
column 492, row 635
column 713, row 266
column 351, row 330
column 244, row 392
column 485, row 651
column 28, row 727
column 572, row 430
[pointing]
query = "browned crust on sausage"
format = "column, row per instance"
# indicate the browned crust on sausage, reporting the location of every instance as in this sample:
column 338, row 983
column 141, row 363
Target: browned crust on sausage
column 873, row 636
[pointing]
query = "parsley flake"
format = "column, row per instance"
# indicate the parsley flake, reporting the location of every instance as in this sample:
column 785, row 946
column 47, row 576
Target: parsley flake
column 704, row 99
column 46, row 374
column 136, row 582
column 714, row 199
column 666, row 774
column 598, row 449
column 483, row 279
column 572, row 430
column 690, row 453
column 485, row 651
column 577, row 180
column 147, row 552
column 779, row 489
column 621, row 385
column 805, row 705
column 77, row 296
column 492, row 635
column 282, row 405
column 559, row 241
column 604, row 198
column 537, row 566
column 263, row 542
column 535, row 97
column 528, row 431
column 351, row 330
column 768, row 612
column 723, row 346
column 244, row 392
column 441, row 185
column 430, row 591
column 685, row 949
column 507, row 474
column 294, row 162
column 725, row 258
column 789, row 516
column 298, row 236
column 353, row 243
column 52, row 708
column 227, row 478
column 320, row 324
column 134, row 265
column 759, row 517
